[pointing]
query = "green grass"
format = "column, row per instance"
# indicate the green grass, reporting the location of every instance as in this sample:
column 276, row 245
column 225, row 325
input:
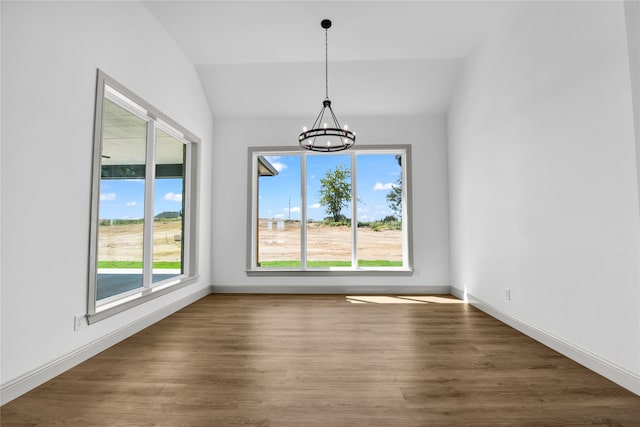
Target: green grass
column 138, row 264
column 281, row 264
column 378, row 263
column 312, row 264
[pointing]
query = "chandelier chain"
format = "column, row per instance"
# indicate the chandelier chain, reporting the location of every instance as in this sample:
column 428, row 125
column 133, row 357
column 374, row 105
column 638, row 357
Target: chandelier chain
column 326, row 62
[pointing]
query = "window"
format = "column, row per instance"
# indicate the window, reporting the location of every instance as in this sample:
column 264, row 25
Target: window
column 329, row 213
column 143, row 204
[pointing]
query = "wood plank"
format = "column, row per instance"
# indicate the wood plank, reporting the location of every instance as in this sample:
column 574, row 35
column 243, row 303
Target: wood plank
column 320, row 360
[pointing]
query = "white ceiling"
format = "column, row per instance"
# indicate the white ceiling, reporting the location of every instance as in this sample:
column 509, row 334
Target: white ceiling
column 266, row 58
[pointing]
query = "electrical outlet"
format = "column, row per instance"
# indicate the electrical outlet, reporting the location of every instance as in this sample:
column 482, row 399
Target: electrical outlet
column 507, row 294
column 79, row 322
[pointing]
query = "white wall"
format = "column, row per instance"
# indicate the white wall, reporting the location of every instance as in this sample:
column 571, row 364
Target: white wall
column 543, row 183
column 50, row 53
column 632, row 15
column 430, row 203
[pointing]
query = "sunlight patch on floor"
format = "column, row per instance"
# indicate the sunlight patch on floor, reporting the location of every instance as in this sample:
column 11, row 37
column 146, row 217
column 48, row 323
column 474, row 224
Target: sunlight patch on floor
column 402, row 299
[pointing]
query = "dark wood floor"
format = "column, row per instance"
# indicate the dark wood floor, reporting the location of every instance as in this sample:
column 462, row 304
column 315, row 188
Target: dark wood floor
column 260, row 360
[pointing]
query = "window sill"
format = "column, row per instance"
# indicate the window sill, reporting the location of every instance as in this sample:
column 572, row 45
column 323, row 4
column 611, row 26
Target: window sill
column 137, row 299
column 331, row 272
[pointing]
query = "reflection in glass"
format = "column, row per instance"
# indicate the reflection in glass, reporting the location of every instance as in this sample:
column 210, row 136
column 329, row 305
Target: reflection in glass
column 329, row 239
column 121, row 207
column 279, row 211
column 168, row 208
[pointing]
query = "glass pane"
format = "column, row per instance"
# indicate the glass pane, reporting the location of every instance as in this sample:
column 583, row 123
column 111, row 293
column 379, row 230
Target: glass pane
column 379, row 210
column 328, row 211
column 279, row 211
column 168, row 208
column 121, row 208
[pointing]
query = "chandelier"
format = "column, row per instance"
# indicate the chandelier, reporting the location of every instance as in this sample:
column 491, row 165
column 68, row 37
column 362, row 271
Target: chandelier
column 326, row 135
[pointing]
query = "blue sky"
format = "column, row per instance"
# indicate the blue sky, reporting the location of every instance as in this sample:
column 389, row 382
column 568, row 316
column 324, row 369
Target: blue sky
column 124, row 198
column 376, row 174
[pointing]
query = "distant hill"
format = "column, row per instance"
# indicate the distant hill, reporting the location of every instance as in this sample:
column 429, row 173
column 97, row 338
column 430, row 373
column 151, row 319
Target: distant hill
column 168, row 215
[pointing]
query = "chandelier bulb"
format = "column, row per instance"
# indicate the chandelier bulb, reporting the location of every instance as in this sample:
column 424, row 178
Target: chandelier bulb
column 325, row 125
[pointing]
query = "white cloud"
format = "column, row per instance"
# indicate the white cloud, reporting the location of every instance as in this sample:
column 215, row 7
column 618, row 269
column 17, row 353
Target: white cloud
column 278, row 216
column 107, row 196
column 279, row 166
column 295, row 209
column 131, row 203
column 315, row 206
column 381, row 186
column 173, row 197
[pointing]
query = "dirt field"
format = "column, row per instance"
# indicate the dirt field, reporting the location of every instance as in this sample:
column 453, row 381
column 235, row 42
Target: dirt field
column 326, row 243
column 124, row 242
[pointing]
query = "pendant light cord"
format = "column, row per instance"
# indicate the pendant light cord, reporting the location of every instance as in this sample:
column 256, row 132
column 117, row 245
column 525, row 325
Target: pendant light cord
column 326, row 62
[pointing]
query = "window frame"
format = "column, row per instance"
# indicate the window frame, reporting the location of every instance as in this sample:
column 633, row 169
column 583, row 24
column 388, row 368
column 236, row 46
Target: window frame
column 252, row 269
column 109, row 88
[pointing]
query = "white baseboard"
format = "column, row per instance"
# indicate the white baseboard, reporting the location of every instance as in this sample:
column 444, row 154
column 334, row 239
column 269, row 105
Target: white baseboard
column 328, row 289
column 619, row 375
column 36, row 377
column 456, row 292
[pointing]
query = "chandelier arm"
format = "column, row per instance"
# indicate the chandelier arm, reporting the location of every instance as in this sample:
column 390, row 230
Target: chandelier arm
column 335, row 119
column 318, row 120
column 317, row 124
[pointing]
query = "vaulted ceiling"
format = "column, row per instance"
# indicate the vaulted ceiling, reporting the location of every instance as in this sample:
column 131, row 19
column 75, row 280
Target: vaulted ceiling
column 266, row 58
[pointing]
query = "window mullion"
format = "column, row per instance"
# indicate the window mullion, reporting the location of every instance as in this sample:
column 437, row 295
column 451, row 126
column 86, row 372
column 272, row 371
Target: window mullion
column 254, row 218
column 354, row 213
column 405, row 209
column 303, row 213
column 150, row 175
column 186, row 211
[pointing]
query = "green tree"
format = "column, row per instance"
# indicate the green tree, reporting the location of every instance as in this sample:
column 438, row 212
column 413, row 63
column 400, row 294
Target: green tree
column 335, row 191
column 394, row 199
